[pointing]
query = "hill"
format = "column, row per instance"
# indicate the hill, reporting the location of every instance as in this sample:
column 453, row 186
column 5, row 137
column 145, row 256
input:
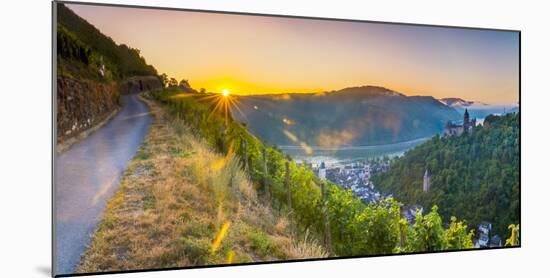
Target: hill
column 80, row 41
column 478, row 110
column 453, row 101
column 364, row 115
column 474, row 176
column 180, row 203
column 92, row 72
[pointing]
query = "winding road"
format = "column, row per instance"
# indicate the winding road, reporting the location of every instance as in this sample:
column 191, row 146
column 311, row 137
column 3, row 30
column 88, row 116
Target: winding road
column 87, row 175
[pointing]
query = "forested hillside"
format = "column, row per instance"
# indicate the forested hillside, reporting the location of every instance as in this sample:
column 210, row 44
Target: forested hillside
column 80, row 41
column 91, row 71
column 474, row 176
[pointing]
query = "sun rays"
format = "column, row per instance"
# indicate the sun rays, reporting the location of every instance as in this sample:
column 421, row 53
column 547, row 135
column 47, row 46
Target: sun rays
column 223, row 102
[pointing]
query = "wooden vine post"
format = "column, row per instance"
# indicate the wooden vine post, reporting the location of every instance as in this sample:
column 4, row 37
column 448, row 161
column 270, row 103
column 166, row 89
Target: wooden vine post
column 266, row 184
column 288, row 193
column 245, row 156
column 326, row 220
column 287, row 184
column 402, row 227
column 222, row 141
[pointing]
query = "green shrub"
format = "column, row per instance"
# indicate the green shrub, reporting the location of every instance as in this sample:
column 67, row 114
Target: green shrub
column 262, row 245
column 198, row 249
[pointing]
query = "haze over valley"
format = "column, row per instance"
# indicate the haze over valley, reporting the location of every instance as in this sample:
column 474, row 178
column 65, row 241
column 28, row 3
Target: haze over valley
column 357, row 116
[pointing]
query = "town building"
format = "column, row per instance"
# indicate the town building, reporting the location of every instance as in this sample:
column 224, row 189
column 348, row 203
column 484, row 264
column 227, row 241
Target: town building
column 484, row 240
column 485, row 227
column 355, row 177
column 495, row 241
column 322, row 171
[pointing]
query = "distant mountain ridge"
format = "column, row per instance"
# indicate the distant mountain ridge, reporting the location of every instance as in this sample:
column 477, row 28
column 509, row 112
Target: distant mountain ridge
column 353, row 116
column 458, row 102
column 478, row 110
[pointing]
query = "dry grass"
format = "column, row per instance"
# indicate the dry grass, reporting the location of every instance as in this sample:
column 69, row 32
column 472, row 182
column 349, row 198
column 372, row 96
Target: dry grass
column 181, row 204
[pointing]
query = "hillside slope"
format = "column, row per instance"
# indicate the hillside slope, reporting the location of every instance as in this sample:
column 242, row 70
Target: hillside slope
column 364, row 116
column 182, row 204
column 121, row 60
column 474, row 176
column 342, row 222
column 92, row 70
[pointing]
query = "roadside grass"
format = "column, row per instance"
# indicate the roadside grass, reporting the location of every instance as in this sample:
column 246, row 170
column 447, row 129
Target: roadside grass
column 182, row 204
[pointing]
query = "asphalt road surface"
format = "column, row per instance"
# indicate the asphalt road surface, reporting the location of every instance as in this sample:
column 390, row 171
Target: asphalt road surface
column 88, row 174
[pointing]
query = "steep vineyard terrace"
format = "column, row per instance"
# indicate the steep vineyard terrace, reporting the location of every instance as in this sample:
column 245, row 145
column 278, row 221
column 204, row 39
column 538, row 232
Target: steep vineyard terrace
column 346, row 225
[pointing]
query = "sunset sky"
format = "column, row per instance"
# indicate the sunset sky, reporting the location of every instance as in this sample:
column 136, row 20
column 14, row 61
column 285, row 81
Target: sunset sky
column 257, row 54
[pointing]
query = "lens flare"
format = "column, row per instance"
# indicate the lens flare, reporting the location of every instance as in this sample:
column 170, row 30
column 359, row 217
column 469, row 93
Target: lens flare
column 220, row 236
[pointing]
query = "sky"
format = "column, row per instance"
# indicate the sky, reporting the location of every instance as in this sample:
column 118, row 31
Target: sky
column 266, row 55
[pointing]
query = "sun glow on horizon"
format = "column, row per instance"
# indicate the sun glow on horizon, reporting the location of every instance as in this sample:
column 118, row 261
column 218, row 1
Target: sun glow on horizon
column 278, row 55
column 225, row 92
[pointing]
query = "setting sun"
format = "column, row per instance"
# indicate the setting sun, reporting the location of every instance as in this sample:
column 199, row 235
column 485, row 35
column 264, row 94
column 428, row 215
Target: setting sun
column 225, row 92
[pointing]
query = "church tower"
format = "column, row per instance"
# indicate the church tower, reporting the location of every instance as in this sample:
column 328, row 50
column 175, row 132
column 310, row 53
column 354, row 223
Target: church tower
column 466, row 123
column 427, row 181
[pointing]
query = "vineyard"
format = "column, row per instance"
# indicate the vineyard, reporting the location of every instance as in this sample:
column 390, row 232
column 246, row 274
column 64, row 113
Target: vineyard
column 346, row 225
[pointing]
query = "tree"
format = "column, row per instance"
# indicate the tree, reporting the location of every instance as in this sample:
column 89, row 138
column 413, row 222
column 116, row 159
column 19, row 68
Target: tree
column 185, row 83
column 163, row 79
column 457, row 236
column 172, row 82
column 378, row 227
column 202, row 91
column 427, row 234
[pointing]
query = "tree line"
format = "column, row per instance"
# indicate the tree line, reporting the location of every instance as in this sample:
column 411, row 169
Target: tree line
column 171, row 82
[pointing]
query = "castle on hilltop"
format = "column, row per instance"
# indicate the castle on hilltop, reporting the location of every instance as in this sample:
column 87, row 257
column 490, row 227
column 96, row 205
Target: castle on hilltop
column 457, row 129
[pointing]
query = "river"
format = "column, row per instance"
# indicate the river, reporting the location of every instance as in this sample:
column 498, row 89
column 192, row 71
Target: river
column 345, row 155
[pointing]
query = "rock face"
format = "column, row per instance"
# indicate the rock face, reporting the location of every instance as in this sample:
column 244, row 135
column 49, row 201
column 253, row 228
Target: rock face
column 137, row 84
column 83, row 103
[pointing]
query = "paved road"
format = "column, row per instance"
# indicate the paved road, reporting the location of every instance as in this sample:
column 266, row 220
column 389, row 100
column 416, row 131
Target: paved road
column 87, row 175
